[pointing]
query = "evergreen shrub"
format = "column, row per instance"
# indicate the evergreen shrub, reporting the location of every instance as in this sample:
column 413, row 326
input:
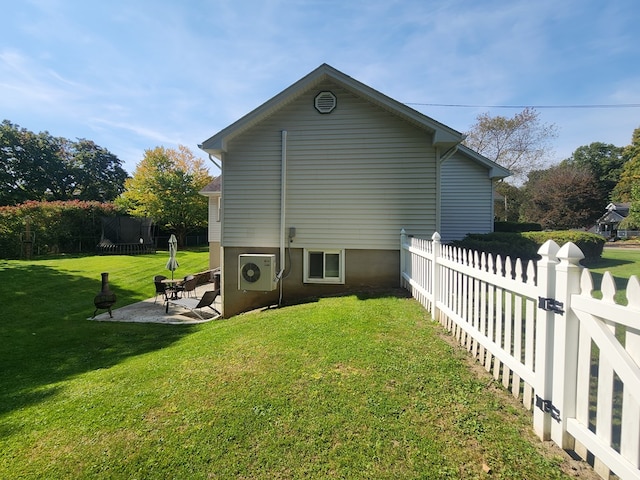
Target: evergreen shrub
column 525, row 245
column 591, row 244
column 516, row 227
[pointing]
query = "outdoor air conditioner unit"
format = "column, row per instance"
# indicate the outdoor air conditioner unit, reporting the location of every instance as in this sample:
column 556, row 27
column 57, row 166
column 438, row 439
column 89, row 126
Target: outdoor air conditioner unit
column 257, row 271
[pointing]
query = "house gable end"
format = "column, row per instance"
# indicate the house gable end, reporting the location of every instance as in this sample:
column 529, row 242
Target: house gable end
column 442, row 135
column 355, row 177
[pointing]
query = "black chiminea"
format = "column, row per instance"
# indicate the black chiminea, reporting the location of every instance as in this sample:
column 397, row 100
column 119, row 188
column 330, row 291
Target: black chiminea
column 106, row 298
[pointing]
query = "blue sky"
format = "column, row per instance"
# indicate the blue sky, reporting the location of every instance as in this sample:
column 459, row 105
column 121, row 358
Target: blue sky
column 135, row 74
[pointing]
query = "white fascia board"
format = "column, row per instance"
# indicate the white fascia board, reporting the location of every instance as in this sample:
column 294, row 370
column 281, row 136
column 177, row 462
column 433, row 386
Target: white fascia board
column 495, row 170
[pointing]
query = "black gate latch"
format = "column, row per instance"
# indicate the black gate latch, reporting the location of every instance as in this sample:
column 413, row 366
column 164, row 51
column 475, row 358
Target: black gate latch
column 547, row 407
column 550, row 305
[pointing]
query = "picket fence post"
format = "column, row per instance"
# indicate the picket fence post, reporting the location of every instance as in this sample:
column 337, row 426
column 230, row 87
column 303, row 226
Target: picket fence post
column 403, row 256
column 435, row 276
column 544, row 365
column 565, row 351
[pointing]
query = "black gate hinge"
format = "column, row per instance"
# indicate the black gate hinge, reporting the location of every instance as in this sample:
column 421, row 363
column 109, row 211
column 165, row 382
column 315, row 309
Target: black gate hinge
column 550, row 305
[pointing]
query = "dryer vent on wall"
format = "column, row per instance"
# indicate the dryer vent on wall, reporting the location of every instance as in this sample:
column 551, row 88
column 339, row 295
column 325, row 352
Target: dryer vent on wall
column 257, row 272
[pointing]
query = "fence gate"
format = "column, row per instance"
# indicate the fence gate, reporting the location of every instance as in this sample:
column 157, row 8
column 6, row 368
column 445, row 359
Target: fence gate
column 573, row 359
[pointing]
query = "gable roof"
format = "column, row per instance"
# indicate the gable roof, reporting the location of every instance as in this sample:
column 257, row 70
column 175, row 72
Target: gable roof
column 443, row 135
column 616, row 212
column 212, row 188
column 495, row 170
column 621, row 208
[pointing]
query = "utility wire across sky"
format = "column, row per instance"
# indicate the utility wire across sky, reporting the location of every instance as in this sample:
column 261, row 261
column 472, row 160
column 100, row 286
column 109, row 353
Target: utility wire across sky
column 613, row 105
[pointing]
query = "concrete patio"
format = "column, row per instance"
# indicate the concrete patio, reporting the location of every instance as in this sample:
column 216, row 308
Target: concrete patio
column 151, row 311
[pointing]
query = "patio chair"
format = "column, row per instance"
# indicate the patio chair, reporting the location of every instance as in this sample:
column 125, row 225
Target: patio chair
column 161, row 288
column 188, row 286
column 196, row 305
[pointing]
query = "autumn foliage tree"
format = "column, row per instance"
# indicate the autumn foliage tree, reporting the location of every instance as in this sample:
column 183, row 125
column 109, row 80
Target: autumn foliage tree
column 165, row 186
column 605, row 162
column 561, row 197
column 70, row 226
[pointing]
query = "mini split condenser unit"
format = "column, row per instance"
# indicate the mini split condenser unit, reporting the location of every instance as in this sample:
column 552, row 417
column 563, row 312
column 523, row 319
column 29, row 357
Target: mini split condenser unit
column 257, row 271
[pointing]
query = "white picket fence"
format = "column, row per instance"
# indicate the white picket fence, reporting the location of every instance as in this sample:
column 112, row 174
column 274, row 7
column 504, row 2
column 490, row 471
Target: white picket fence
column 573, row 359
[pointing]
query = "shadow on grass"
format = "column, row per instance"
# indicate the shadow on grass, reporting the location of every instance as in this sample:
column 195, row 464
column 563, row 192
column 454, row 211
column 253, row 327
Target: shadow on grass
column 604, row 263
column 45, row 337
column 621, row 282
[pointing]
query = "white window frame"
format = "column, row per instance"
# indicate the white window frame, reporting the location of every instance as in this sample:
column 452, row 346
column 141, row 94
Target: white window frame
column 327, row 280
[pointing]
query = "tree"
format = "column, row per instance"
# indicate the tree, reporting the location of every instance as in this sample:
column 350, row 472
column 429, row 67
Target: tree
column 632, row 222
column 10, row 156
column 521, row 143
column 31, row 165
column 628, row 188
column 165, row 186
column 561, row 197
column 98, row 173
column 605, row 162
column 508, row 209
column 630, row 175
column 43, row 167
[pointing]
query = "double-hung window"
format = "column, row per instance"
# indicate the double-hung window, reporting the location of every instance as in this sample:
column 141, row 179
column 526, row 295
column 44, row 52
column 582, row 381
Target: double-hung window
column 323, row 266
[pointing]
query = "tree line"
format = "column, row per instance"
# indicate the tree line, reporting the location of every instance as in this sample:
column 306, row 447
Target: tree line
column 166, row 182
column 45, row 180
column 571, row 194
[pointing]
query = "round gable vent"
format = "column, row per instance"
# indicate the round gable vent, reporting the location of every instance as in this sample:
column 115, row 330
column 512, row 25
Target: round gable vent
column 325, row 102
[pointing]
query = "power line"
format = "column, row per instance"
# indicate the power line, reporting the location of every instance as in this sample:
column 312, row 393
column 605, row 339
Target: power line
column 612, row 105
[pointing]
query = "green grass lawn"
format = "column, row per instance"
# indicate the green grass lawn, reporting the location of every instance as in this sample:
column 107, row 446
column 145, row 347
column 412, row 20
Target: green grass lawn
column 621, row 263
column 345, row 387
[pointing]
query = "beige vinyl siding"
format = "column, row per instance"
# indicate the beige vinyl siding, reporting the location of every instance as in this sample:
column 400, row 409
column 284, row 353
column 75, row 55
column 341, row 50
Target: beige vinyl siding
column 355, row 177
column 251, row 189
column 214, row 223
column 467, row 199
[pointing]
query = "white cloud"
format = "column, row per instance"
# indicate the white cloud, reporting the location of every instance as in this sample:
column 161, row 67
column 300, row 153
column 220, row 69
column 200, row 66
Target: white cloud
column 138, row 130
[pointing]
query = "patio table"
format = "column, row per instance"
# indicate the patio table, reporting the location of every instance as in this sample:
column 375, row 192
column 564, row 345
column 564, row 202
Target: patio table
column 172, row 284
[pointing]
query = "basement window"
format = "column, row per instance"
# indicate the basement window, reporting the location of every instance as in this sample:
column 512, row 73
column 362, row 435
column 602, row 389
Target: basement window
column 323, row 266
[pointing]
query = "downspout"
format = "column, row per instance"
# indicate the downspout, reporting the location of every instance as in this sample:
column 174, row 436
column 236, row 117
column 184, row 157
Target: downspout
column 283, row 210
column 438, row 191
column 214, row 162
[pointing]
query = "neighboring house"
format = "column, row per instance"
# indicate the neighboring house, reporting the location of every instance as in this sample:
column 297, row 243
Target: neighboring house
column 213, row 192
column 607, row 225
column 324, row 176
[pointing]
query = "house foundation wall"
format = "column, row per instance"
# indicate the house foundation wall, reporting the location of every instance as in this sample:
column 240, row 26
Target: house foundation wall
column 214, row 254
column 365, row 270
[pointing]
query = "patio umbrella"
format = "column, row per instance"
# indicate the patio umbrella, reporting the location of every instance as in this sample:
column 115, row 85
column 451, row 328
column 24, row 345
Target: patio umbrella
column 172, row 263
